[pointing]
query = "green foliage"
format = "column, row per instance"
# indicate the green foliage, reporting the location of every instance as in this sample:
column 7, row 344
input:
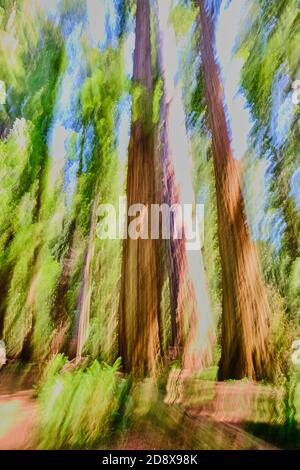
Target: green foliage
column 270, row 42
column 182, row 18
column 269, row 47
column 36, row 54
column 210, row 373
column 17, row 35
column 37, row 232
column 125, row 11
column 81, row 407
column 100, row 94
column 18, row 318
column 142, row 106
column 157, row 94
column 50, row 371
column 45, row 283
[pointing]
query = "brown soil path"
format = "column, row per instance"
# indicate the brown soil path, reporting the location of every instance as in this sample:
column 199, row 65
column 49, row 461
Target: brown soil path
column 18, row 417
column 167, row 427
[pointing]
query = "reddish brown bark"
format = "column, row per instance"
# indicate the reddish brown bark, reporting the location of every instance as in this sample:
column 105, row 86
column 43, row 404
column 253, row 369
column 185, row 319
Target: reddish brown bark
column 186, row 312
column 245, row 305
column 139, row 344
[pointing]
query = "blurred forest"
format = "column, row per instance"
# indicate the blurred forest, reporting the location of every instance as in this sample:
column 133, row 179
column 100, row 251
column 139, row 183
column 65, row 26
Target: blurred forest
column 161, row 101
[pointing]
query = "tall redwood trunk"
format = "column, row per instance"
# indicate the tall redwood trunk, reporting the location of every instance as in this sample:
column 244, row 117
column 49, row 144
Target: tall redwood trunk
column 190, row 307
column 245, row 304
column 139, row 344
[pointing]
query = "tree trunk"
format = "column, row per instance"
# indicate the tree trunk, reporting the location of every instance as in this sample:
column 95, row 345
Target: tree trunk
column 60, row 312
column 245, row 305
column 139, row 310
column 82, row 321
column 191, row 315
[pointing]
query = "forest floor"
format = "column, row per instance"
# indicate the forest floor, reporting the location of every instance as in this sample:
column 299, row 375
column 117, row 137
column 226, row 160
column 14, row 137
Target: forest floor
column 19, row 417
column 175, row 426
column 19, row 413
